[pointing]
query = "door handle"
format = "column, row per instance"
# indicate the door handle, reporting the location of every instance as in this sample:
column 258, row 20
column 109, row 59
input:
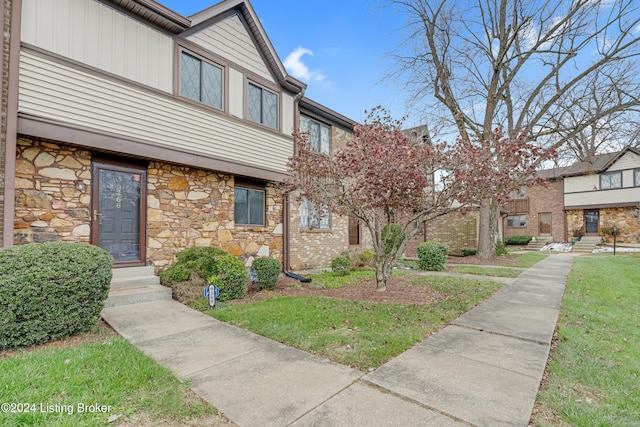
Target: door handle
column 96, row 214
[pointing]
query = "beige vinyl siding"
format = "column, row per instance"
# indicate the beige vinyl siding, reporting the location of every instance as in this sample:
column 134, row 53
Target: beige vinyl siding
column 236, row 93
column 230, row 39
column 581, row 183
column 628, row 161
column 59, row 92
column 605, row 197
column 97, row 35
column 287, row 113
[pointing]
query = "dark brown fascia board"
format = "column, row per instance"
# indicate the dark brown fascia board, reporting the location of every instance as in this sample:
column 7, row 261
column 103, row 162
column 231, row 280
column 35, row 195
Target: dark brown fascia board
column 601, row 169
column 129, row 147
column 257, row 31
column 155, row 13
column 603, row 206
column 326, row 113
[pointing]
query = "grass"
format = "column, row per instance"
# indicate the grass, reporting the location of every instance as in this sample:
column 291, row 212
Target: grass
column 331, row 280
column 486, row 271
column 528, row 260
column 360, row 334
column 594, row 371
column 109, row 372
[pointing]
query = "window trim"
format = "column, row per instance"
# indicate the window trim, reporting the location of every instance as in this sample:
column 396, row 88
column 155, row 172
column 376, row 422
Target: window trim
column 263, row 87
column 321, row 124
column 308, row 228
column 608, row 174
column 208, row 57
column 517, row 226
column 636, row 174
column 250, row 187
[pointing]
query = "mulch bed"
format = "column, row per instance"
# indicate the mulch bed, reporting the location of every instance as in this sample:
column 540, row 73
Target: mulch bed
column 397, row 291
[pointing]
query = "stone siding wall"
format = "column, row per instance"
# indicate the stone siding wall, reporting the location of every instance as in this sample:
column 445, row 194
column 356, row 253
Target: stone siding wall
column 191, row 207
column 53, row 193
column 542, row 199
column 625, row 218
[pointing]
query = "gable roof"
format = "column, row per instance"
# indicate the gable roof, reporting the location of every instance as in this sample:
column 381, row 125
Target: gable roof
column 258, row 33
column 592, row 165
column 155, row 13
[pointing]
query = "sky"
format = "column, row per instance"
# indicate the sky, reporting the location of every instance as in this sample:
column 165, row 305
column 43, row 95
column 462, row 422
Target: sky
column 340, row 48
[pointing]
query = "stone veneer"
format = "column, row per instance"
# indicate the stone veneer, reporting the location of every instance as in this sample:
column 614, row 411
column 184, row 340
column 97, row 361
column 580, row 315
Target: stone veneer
column 191, row 207
column 52, row 192
column 626, row 218
column 185, row 206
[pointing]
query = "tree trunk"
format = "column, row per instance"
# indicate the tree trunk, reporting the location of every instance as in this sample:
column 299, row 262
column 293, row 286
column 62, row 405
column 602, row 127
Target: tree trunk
column 383, row 272
column 486, row 239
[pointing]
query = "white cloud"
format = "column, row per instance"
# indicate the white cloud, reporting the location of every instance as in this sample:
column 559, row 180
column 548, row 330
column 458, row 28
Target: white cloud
column 294, row 65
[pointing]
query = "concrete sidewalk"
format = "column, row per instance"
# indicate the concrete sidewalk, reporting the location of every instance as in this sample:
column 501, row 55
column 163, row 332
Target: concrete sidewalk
column 484, row 369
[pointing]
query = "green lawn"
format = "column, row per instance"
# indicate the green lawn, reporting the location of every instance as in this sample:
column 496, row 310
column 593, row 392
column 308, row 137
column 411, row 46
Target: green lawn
column 486, row 271
column 331, row 280
column 528, row 259
column 56, row 387
column 359, row 334
column 595, row 368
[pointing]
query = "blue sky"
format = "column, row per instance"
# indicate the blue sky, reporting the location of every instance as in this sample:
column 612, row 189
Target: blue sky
column 339, row 48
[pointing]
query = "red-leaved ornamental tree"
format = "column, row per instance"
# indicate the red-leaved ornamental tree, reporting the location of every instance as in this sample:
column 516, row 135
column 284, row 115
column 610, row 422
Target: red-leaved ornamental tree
column 384, row 178
column 389, row 179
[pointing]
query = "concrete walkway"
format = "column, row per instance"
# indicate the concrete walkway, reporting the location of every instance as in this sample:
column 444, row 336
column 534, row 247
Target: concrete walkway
column 483, row 370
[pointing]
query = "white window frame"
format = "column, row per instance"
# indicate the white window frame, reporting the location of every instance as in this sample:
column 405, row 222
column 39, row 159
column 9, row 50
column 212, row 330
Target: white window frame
column 316, row 140
column 310, row 219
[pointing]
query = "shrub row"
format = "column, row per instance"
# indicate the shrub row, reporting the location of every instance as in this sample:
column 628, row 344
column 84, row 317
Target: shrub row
column 517, row 240
column 51, row 291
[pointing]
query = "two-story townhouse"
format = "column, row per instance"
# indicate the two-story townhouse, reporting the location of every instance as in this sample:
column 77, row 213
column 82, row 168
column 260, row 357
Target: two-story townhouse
column 537, row 210
column 603, row 192
column 316, row 237
column 131, row 127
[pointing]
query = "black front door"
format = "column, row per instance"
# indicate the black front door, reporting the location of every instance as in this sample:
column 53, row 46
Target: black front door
column 117, row 212
column 591, row 221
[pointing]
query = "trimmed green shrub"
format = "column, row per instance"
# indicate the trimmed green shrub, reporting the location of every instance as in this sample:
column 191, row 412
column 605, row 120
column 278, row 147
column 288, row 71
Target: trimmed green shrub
column 432, row 256
column 500, row 248
column 469, row 252
column 517, row 240
column 51, row 291
column 341, row 264
column 193, row 269
column 230, row 278
column 393, row 235
column 266, row 272
column 200, row 260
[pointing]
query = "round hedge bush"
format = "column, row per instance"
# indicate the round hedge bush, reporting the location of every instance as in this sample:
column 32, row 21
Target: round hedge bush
column 51, row 291
column 230, row 278
column 341, row 264
column 432, row 255
column 266, row 272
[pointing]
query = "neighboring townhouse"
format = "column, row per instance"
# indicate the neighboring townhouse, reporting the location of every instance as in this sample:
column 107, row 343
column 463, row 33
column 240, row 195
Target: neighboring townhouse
column 317, row 237
column 537, row 210
column 133, row 128
column 604, row 192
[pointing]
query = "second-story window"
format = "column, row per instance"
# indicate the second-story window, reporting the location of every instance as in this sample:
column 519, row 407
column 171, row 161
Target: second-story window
column 520, row 193
column 611, row 180
column 200, row 80
column 636, row 177
column 262, row 106
column 319, row 134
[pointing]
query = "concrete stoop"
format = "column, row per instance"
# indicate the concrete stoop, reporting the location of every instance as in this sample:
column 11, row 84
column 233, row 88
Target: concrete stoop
column 135, row 285
column 583, row 247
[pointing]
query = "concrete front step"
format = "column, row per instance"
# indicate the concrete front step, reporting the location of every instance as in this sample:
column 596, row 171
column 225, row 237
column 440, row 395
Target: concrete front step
column 132, row 285
column 583, row 247
column 535, row 246
column 118, row 297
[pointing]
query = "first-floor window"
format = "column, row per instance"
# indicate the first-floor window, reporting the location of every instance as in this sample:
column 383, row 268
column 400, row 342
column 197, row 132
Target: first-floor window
column 312, row 217
column 248, row 206
column 517, row 221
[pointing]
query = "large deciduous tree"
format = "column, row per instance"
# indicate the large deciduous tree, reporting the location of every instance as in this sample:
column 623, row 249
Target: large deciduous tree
column 524, row 65
column 392, row 180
